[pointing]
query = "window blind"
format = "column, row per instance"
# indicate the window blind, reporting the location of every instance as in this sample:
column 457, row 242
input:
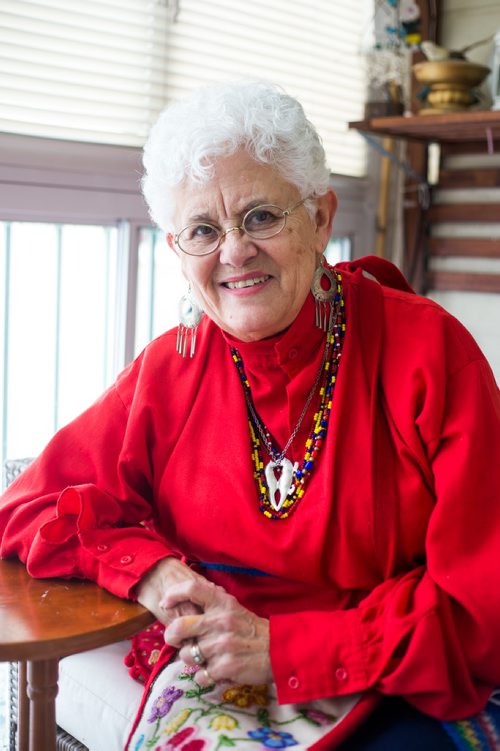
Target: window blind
column 90, row 71
column 312, row 48
column 101, row 70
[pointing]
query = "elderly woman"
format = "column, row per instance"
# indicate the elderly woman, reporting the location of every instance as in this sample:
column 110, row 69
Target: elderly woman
column 299, row 482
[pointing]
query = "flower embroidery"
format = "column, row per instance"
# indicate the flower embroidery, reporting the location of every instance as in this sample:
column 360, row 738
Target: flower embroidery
column 245, row 696
column 194, row 745
column 318, row 717
column 187, row 671
column 179, row 738
column 164, row 702
column 230, row 716
column 153, row 657
column 176, row 723
column 177, row 741
column 273, row 738
column 223, row 722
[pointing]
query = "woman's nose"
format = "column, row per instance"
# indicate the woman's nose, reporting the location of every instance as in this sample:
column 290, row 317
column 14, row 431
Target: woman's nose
column 236, row 247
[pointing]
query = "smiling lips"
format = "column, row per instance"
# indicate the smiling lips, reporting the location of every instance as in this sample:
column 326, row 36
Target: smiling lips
column 246, row 282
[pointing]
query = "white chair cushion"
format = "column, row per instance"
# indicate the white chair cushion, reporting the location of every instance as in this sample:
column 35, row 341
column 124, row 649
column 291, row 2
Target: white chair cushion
column 98, row 700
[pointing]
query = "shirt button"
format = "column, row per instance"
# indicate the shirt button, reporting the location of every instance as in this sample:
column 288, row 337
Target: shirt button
column 292, row 353
column 102, row 548
column 126, row 559
column 293, row 682
column 341, row 674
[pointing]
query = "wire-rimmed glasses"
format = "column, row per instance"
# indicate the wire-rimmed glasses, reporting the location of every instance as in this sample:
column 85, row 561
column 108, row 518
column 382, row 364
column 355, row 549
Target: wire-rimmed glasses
column 260, row 223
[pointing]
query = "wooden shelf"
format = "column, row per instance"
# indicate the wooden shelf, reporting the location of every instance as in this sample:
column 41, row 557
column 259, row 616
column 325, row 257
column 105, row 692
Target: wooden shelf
column 460, row 132
column 457, row 127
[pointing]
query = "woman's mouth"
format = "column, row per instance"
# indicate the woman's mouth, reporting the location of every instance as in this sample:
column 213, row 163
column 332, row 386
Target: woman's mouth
column 246, row 282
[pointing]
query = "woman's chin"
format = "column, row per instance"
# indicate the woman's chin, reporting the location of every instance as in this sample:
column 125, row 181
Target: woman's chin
column 258, row 314
column 253, row 328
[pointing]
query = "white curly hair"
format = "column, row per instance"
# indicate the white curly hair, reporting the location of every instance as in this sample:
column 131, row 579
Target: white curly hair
column 218, row 120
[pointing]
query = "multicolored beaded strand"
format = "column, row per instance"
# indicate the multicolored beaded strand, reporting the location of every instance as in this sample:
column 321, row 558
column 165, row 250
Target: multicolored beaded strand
column 260, row 435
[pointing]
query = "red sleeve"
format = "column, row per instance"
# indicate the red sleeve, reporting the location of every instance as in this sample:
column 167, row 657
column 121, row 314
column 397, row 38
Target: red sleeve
column 82, row 509
column 431, row 634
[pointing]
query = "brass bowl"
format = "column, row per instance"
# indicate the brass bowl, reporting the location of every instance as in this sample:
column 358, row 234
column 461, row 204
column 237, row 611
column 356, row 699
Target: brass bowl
column 460, row 72
column 450, row 84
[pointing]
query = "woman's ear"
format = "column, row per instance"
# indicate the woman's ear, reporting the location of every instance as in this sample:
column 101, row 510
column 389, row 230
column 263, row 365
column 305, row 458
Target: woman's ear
column 171, row 243
column 326, row 206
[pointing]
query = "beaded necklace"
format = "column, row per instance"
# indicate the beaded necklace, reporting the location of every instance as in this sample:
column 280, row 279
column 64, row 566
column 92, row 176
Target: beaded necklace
column 279, row 475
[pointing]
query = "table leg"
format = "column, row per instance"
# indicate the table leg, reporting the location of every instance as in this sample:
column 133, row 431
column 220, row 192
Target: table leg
column 42, row 691
column 23, row 708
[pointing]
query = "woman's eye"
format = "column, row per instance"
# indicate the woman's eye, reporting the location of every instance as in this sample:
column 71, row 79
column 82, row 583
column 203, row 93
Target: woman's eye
column 204, row 230
column 199, row 232
column 261, row 217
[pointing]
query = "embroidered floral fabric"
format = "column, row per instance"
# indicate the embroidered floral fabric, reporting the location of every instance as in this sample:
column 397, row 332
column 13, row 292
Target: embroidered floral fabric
column 144, row 652
column 178, row 714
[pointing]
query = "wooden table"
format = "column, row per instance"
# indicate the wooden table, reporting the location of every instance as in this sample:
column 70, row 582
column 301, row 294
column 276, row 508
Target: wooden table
column 42, row 620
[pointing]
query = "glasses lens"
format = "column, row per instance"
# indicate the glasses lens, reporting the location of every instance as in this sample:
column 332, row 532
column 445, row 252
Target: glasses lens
column 264, row 221
column 198, row 239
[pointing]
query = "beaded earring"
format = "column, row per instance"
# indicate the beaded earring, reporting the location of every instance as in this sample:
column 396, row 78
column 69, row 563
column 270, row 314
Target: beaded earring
column 190, row 315
column 323, row 288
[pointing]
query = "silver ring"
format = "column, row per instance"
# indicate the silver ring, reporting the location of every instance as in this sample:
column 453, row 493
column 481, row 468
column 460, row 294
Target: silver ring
column 196, row 654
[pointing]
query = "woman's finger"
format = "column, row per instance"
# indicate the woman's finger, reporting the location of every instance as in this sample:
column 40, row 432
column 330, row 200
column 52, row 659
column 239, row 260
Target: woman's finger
column 194, row 654
column 167, row 615
column 200, row 592
column 203, row 678
column 184, row 629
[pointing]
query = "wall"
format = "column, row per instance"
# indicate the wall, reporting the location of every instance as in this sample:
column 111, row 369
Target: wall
column 463, row 22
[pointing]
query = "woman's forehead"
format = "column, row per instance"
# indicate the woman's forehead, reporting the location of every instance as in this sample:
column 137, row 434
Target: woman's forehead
column 238, row 184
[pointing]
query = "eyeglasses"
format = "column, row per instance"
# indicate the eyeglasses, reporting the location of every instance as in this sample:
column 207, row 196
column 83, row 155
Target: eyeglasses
column 260, row 223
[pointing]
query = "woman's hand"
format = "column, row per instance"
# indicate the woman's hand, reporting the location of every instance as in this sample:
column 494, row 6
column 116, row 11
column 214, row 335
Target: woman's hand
column 233, row 642
column 153, row 587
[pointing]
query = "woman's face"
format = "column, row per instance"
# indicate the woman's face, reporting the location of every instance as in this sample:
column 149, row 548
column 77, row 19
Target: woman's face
column 276, row 273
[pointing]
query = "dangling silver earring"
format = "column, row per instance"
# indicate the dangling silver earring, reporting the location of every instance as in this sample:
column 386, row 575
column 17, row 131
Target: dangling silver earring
column 190, row 315
column 323, row 288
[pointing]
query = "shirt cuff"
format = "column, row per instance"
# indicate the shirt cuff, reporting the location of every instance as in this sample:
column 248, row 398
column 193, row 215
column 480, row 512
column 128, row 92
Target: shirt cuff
column 316, row 655
column 119, row 558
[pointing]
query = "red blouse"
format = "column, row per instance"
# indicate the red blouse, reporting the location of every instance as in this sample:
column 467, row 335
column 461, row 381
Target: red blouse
column 386, row 574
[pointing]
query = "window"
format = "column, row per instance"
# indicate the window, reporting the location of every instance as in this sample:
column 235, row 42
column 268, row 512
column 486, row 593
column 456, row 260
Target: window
column 160, row 286
column 71, row 223
column 57, row 326
column 338, row 249
column 59, row 321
